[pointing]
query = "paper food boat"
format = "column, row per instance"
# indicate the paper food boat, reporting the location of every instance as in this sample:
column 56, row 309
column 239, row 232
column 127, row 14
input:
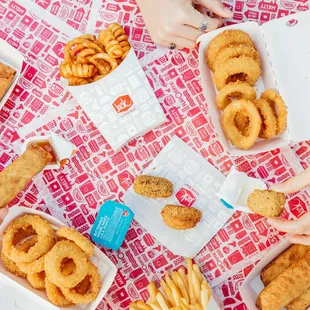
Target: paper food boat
column 284, row 48
column 62, row 149
column 11, row 57
column 252, row 285
column 106, row 268
column 196, row 183
column 122, row 105
column 236, row 189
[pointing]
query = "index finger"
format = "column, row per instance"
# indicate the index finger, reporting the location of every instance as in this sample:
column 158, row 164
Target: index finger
column 292, row 227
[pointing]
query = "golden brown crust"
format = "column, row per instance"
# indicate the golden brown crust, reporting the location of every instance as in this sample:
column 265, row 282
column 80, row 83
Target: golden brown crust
column 7, row 75
column 282, row 262
column 301, row 302
column 287, row 286
column 153, row 187
column 180, row 217
column 266, row 203
column 15, row 177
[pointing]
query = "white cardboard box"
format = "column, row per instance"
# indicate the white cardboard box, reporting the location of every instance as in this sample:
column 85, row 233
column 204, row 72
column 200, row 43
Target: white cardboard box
column 252, row 285
column 122, row 105
column 11, row 57
column 106, row 268
column 284, row 48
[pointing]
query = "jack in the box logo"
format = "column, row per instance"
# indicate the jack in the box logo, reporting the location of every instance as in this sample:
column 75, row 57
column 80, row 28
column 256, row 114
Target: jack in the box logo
column 185, row 197
column 122, row 104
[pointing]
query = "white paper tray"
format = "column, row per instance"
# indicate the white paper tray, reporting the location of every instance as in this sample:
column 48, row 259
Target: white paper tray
column 106, row 268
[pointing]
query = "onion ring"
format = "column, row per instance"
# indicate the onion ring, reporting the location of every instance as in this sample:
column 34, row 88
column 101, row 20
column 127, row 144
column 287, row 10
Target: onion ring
column 91, row 293
column 73, row 235
column 37, row 280
column 234, row 91
column 235, row 52
column 242, row 122
column 45, row 238
column 33, row 267
column 226, row 38
column 55, row 295
column 269, row 121
column 232, row 132
column 53, row 261
column 244, row 69
column 11, row 266
column 277, row 104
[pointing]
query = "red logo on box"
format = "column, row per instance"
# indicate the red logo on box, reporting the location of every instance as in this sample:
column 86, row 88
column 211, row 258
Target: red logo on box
column 122, row 104
column 185, row 197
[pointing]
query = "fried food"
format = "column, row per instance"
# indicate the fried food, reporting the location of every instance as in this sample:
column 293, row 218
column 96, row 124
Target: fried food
column 243, row 69
column 53, row 262
column 287, row 286
column 87, row 290
column 266, row 203
column 236, row 137
column 300, row 303
column 81, row 241
column 15, row 177
column 235, row 51
column 7, row 75
column 224, row 39
column 269, row 121
column 153, row 187
column 279, row 108
column 282, row 262
column 37, row 280
column 242, row 122
column 45, row 238
column 180, row 217
column 234, row 91
column 55, row 295
column 88, row 59
column 10, row 266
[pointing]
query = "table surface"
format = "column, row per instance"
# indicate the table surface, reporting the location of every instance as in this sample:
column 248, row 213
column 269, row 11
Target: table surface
column 39, row 103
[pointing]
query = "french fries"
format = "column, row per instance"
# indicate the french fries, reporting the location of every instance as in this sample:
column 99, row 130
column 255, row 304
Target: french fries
column 178, row 291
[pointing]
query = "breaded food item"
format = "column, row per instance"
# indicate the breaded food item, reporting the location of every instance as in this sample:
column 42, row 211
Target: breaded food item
column 15, row 177
column 180, row 217
column 301, row 302
column 282, row 262
column 7, row 75
column 287, row 286
column 266, row 203
column 153, row 187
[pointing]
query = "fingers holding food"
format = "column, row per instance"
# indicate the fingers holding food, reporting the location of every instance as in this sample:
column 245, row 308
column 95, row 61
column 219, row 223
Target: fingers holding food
column 267, row 203
column 243, row 69
column 153, row 187
column 180, row 217
column 236, row 137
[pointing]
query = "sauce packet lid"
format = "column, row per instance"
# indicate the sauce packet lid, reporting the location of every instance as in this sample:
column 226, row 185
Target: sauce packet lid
column 111, row 225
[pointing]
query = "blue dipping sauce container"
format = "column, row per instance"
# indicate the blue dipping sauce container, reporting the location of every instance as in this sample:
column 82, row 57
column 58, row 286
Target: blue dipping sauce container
column 111, row 225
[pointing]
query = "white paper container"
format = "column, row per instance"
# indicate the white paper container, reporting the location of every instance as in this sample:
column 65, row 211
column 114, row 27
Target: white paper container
column 11, row 57
column 284, row 47
column 237, row 187
column 63, row 149
column 106, row 268
column 101, row 100
column 196, row 182
column 252, row 285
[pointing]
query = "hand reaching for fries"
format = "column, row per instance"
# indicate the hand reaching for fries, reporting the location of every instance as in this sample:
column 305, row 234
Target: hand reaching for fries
column 179, row 291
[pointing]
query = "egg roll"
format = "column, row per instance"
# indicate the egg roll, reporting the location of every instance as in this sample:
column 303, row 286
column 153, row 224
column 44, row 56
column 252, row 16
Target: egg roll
column 7, row 75
column 300, row 303
column 282, row 262
column 287, row 286
column 15, row 177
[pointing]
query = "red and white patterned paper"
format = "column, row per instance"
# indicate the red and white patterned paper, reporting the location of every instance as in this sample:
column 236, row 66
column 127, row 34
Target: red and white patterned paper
column 96, row 173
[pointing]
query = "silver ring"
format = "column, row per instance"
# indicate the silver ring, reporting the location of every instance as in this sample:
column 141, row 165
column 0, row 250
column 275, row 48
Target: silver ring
column 172, row 46
column 204, row 26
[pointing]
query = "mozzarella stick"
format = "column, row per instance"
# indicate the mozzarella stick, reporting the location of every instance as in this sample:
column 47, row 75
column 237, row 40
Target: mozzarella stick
column 15, row 177
column 282, row 262
column 300, row 303
column 287, row 286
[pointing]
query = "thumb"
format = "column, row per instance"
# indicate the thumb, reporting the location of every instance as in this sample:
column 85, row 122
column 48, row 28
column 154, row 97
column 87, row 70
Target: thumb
column 294, row 184
column 283, row 225
column 3, row 213
column 217, row 7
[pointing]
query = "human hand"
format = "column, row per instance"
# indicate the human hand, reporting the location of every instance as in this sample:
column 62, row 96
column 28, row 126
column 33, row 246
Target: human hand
column 3, row 213
column 300, row 228
column 178, row 22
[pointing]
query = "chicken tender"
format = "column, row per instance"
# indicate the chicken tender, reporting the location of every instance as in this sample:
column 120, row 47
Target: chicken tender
column 180, row 217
